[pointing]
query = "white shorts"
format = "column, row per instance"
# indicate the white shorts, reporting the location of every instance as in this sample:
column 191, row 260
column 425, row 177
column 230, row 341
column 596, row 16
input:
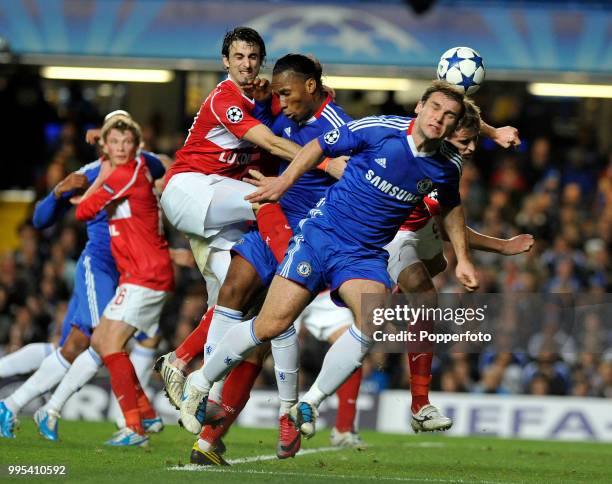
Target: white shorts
column 410, row 247
column 322, row 317
column 137, row 306
column 208, row 206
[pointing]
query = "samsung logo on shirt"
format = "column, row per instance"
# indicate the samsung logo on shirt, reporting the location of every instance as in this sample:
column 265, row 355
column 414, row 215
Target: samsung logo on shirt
column 391, row 189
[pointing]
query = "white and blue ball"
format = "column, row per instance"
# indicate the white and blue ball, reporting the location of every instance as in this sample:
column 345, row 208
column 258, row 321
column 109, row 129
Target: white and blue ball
column 463, row 67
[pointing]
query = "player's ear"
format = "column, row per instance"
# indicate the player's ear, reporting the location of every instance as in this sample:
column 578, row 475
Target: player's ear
column 225, row 62
column 311, row 86
column 418, row 107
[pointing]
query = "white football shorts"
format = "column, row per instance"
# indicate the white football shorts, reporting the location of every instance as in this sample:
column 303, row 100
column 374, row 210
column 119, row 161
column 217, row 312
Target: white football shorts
column 322, row 317
column 137, row 306
column 409, row 247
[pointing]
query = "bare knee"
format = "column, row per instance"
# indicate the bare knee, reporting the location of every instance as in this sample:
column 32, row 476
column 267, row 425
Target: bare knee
column 240, row 285
column 416, row 279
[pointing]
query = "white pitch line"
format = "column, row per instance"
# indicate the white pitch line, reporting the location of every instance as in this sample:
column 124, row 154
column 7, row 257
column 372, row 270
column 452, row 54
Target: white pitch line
column 257, row 458
column 331, row 476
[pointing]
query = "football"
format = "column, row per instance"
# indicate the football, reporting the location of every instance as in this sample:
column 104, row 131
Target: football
column 463, row 67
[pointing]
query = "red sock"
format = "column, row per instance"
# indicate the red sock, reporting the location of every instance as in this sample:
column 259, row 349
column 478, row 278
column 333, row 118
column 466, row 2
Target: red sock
column 274, row 229
column 347, row 402
column 193, row 344
column 125, row 387
column 144, row 404
column 420, row 378
column 235, row 395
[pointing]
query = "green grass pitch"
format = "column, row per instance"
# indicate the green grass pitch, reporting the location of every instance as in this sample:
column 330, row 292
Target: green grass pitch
column 389, row 458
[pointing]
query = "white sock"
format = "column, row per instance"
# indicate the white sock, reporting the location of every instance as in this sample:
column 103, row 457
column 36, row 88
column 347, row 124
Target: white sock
column 83, row 369
column 223, row 320
column 231, row 350
column 341, row 360
column 216, row 390
column 285, row 351
column 51, row 371
column 25, row 360
column 142, row 358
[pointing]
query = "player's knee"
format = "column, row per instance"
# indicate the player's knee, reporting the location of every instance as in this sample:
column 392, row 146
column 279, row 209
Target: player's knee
column 232, row 294
column 415, row 279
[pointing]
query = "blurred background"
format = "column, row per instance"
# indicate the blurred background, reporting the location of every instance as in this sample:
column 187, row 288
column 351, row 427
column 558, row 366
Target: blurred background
column 549, row 73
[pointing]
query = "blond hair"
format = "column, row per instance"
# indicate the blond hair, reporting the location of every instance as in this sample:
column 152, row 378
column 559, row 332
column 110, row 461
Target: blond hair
column 470, row 121
column 122, row 123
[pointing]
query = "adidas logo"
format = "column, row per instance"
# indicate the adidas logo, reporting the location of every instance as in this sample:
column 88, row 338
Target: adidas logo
column 381, row 161
column 288, row 131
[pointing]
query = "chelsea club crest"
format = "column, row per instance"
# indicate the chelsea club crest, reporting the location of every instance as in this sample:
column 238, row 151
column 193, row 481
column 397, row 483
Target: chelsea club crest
column 424, row 186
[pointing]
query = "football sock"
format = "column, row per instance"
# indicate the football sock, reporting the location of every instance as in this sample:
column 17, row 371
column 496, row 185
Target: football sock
column 51, row 371
column 236, row 393
column 142, row 358
column 341, row 361
column 83, row 369
column 231, row 350
column 274, row 229
column 420, row 378
column 125, row 387
column 347, row 402
column 194, row 343
column 24, row 360
column 223, row 319
column 285, row 351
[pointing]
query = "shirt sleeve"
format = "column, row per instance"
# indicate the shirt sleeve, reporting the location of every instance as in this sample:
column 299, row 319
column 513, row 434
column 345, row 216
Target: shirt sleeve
column 342, row 140
column 49, row 210
column 156, row 167
column 229, row 111
column 116, row 186
column 432, row 204
column 448, row 195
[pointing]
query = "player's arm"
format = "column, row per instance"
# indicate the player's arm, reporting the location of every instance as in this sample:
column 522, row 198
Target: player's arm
column 51, row 208
column 334, row 166
column 506, row 136
column 515, row 245
column 273, row 188
column 110, row 185
column 453, row 221
column 263, row 137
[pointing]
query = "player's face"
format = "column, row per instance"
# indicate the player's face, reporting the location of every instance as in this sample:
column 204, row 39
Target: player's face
column 295, row 95
column 244, row 62
column 437, row 117
column 465, row 140
column 120, row 146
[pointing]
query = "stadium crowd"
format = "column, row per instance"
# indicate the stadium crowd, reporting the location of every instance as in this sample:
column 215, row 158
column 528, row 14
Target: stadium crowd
column 558, row 189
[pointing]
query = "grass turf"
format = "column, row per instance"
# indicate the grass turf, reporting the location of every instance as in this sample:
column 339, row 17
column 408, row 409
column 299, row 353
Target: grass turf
column 390, row 458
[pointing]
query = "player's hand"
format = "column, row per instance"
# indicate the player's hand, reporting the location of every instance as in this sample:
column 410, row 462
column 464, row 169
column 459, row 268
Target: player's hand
column 507, row 136
column 466, row 274
column 270, row 188
column 259, row 89
column 93, row 135
column 182, row 258
column 73, row 182
column 519, row 244
column 336, row 166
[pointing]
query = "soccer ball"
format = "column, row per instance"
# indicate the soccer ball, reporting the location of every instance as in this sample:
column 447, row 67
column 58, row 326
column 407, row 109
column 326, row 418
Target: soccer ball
column 463, row 67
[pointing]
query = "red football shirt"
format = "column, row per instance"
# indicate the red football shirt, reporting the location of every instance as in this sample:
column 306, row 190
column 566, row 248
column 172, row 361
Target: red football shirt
column 421, row 214
column 138, row 244
column 214, row 144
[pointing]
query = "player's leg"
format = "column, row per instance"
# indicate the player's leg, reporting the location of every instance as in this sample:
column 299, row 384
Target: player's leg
column 141, row 307
column 284, row 302
column 327, row 322
column 49, row 374
column 208, row 449
column 344, row 433
column 346, row 354
column 95, row 285
column 25, row 359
